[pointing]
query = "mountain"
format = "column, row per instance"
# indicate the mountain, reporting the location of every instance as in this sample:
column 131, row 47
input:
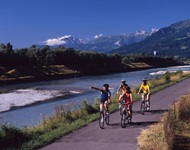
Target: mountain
column 100, row 44
column 173, row 40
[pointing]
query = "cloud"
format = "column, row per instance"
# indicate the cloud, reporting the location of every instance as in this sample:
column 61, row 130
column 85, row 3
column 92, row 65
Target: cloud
column 98, row 36
column 56, row 41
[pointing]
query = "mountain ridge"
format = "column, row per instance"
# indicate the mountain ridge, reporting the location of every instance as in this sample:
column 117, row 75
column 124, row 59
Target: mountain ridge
column 173, row 40
column 100, row 44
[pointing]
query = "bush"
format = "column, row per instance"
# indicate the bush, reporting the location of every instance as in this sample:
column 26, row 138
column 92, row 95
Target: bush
column 12, row 137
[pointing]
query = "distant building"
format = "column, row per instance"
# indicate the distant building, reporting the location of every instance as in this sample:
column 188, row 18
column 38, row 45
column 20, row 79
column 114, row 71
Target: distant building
column 154, row 53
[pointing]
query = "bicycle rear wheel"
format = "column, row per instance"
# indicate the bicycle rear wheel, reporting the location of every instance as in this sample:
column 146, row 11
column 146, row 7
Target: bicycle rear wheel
column 123, row 119
column 101, row 120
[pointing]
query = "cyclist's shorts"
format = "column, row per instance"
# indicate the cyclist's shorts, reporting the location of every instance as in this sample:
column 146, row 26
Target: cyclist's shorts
column 145, row 96
column 103, row 101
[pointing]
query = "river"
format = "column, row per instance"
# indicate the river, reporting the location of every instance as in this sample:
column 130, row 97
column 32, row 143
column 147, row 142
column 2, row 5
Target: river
column 76, row 89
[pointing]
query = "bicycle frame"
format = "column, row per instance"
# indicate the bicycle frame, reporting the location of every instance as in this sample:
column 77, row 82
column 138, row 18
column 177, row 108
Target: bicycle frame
column 103, row 117
column 144, row 106
column 125, row 116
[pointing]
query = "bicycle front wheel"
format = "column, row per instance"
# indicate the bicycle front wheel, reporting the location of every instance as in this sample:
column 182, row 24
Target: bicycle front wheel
column 121, row 110
column 101, row 120
column 142, row 109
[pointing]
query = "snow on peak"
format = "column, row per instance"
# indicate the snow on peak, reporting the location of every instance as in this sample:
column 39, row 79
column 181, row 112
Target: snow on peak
column 141, row 32
column 98, row 36
column 118, row 43
column 153, row 31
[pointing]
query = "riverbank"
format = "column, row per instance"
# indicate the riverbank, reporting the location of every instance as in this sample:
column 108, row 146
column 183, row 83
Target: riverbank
column 21, row 74
column 66, row 121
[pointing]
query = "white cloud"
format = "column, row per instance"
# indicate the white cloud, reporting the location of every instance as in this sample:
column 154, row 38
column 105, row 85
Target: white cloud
column 56, row 41
column 98, row 36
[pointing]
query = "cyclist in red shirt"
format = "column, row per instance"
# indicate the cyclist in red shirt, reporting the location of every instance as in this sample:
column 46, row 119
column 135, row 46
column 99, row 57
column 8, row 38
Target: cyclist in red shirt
column 127, row 96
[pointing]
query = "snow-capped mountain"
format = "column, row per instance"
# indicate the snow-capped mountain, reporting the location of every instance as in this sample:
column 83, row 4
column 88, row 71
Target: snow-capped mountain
column 100, row 43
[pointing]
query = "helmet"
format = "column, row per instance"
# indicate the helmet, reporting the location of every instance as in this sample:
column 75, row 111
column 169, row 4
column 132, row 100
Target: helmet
column 123, row 81
column 144, row 79
column 106, row 85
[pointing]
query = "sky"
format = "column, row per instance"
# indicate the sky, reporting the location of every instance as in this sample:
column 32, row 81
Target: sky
column 28, row 22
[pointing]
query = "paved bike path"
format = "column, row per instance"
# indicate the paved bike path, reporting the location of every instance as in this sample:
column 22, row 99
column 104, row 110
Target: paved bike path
column 114, row 137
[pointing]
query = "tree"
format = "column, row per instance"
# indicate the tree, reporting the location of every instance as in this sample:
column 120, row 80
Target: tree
column 2, row 47
column 9, row 47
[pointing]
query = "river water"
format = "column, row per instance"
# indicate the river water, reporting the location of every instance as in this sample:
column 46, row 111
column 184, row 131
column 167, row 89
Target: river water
column 78, row 89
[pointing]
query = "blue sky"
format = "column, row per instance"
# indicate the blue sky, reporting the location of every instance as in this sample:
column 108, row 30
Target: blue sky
column 27, row 22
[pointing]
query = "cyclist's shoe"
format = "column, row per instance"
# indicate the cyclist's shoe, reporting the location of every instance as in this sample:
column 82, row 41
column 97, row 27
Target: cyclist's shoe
column 148, row 108
column 107, row 113
column 102, row 119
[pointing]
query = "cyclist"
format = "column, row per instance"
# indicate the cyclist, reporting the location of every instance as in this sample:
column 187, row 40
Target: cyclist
column 122, row 88
column 127, row 96
column 145, row 92
column 105, row 97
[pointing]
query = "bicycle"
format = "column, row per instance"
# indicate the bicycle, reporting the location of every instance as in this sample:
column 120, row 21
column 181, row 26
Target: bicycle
column 125, row 114
column 121, row 107
column 144, row 106
column 103, row 117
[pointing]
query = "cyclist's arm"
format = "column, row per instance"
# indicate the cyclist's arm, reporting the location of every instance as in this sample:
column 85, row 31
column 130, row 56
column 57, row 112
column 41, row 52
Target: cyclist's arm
column 148, row 90
column 95, row 88
column 109, row 97
column 118, row 89
column 121, row 97
column 140, row 89
column 131, row 98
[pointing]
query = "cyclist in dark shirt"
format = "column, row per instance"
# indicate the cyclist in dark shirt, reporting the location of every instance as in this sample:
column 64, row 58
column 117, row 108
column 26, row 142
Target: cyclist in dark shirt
column 105, row 96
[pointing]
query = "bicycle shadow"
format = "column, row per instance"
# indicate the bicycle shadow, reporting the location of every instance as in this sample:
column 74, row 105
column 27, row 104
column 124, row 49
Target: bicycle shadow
column 151, row 111
column 134, row 124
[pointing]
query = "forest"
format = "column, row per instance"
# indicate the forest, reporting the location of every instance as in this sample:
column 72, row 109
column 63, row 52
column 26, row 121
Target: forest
column 35, row 56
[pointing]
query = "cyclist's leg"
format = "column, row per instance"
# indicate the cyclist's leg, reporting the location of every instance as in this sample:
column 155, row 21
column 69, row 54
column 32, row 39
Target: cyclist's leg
column 106, row 107
column 143, row 97
column 101, row 106
column 147, row 101
column 128, row 109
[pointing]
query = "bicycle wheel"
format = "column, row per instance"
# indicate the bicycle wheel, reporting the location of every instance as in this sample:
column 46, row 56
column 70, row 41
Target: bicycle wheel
column 101, row 120
column 142, row 109
column 121, row 109
column 123, row 119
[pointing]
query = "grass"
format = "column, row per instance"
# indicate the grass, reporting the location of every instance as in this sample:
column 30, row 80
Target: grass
column 66, row 120
column 173, row 131
column 153, row 138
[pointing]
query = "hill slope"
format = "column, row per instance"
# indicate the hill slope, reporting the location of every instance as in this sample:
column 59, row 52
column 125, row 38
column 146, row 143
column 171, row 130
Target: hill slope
column 173, row 40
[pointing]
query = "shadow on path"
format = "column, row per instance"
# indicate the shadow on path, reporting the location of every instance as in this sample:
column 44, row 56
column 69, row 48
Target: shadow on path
column 160, row 111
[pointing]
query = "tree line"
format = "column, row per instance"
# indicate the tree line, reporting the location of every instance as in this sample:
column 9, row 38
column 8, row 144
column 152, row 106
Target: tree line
column 35, row 56
column 53, row 56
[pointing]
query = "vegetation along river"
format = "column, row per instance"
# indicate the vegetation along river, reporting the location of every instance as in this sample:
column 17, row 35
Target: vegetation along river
column 73, row 90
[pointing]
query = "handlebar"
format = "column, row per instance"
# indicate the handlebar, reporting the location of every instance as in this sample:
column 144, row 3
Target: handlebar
column 123, row 103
